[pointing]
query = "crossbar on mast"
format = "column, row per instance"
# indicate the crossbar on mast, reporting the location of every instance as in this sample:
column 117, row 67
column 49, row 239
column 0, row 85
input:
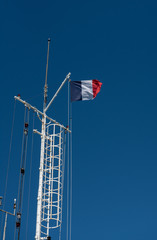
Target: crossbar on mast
column 12, row 214
column 41, row 113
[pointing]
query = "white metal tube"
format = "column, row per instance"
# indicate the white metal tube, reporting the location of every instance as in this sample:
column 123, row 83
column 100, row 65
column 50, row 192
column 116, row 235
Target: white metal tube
column 5, row 226
column 12, row 214
column 67, row 77
column 51, row 176
column 49, row 187
column 39, row 199
column 59, row 179
column 36, row 131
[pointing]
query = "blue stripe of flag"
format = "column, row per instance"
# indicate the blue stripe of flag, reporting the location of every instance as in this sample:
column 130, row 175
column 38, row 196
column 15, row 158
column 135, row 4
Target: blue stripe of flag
column 76, row 91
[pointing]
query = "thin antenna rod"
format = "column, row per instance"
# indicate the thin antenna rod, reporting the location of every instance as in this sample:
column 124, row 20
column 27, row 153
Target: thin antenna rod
column 46, row 87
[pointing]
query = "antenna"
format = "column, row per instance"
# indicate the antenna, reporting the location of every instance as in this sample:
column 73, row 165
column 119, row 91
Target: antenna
column 46, row 87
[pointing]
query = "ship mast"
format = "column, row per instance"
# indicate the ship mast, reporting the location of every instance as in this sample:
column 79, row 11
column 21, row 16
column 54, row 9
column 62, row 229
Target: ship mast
column 51, row 170
column 39, row 199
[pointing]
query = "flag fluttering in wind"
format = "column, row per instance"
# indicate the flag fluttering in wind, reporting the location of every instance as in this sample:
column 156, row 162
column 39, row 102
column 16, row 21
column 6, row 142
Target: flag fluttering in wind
column 84, row 90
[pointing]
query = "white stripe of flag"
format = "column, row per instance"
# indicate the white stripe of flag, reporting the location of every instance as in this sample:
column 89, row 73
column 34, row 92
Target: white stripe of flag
column 87, row 90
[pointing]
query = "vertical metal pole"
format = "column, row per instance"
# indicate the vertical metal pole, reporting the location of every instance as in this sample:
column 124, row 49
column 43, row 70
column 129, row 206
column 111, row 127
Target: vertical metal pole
column 39, row 199
column 68, row 164
column 49, row 182
column 59, row 178
column 42, row 151
column 5, row 226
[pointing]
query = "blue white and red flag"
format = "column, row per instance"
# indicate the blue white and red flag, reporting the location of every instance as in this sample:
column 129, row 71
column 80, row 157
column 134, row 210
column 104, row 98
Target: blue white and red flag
column 84, row 90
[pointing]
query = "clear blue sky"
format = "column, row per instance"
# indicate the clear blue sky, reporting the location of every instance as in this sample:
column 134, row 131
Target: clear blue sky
column 114, row 136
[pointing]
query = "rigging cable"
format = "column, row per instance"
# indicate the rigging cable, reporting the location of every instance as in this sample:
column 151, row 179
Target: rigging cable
column 64, row 149
column 21, row 154
column 24, row 161
column 20, row 168
column 22, row 171
column 9, row 156
column 30, row 177
column 68, row 171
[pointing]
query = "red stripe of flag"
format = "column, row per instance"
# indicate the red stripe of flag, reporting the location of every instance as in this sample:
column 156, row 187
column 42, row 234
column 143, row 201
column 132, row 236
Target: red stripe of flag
column 96, row 87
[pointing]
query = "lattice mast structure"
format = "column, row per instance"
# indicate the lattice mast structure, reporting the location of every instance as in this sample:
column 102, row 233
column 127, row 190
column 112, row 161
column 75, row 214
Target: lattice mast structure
column 51, row 170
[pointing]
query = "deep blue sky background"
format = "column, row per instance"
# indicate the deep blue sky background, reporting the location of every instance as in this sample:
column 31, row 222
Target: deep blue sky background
column 114, row 136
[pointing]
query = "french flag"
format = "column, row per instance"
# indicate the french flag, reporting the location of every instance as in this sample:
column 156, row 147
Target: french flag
column 84, row 90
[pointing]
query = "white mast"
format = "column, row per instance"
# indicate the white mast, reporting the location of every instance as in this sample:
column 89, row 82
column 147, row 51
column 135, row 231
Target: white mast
column 51, row 170
column 39, row 199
